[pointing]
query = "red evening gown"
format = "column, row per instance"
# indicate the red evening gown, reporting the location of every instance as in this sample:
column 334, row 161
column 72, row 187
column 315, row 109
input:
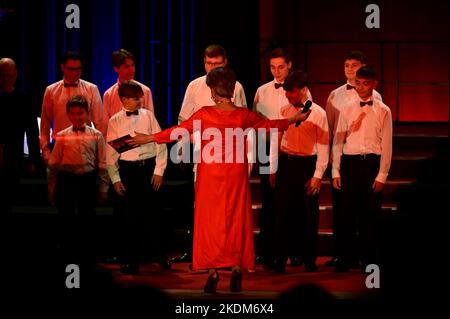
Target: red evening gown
column 223, row 228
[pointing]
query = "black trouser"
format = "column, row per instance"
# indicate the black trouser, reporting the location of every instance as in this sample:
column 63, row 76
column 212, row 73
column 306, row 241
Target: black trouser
column 357, row 221
column 267, row 216
column 297, row 219
column 75, row 199
column 139, row 213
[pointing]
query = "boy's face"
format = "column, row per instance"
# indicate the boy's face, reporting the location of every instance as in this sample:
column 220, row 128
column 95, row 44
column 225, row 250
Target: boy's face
column 350, row 68
column 279, row 68
column 297, row 96
column 126, row 70
column 77, row 116
column 132, row 103
column 365, row 87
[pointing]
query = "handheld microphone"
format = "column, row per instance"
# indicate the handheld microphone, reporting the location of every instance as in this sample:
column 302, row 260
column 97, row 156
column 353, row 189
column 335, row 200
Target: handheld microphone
column 305, row 109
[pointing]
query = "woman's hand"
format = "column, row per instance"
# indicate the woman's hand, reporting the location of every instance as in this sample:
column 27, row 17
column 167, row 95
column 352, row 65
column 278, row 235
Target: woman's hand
column 299, row 117
column 140, row 139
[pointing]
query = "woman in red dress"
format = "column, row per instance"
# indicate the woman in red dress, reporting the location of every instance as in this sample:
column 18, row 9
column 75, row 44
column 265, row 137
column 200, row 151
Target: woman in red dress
column 223, row 228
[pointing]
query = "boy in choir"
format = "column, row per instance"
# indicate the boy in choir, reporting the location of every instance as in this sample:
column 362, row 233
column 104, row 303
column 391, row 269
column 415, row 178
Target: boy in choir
column 137, row 175
column 362, row 152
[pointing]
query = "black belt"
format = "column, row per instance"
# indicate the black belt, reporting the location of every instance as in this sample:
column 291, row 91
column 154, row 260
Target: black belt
column 361, row 156
column 297, row 157
column 137, row 163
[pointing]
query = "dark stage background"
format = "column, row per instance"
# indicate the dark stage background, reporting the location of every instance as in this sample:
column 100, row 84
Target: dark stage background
column 410, row 49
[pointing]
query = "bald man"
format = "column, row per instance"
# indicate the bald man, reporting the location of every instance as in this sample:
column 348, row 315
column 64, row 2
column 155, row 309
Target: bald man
column 16, row 119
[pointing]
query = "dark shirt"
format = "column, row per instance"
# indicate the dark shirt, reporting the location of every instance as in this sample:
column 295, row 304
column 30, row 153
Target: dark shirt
column 17, row 118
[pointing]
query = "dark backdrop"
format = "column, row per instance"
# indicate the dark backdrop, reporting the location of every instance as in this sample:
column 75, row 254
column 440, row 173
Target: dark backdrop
column 410, row 50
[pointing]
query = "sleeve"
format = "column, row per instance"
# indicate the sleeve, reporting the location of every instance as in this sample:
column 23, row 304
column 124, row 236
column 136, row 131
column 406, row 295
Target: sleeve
column 256, row 121
column 188, row 105
column 239, row 96
column 46, row 120
column 323, row 146
column 256, row 102
column 338, row 146
column 102, row 172
column 173, row 133
column 54, row 162
column 330, row 109
column 112, row 157
column 161, row 149
column 107, row 106
column 386, row 148
column 148, row 100
column 97, row 113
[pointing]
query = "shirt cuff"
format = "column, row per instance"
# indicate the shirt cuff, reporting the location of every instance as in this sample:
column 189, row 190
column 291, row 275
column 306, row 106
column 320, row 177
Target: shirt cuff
column 335, row 173
column 158, row 171
column 381, row 177
column 115, row 179
column 318, row 174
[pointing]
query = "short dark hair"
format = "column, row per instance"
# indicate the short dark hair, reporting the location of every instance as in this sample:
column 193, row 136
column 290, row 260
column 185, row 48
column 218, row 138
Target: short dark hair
column 130, row 89
column 281, row 53
column 71, row 55
column 119, row 56
column 222, row 80
column 356, row 55
column 215, row 50
column 295, row 79
column 77, row 101
column 366, row 72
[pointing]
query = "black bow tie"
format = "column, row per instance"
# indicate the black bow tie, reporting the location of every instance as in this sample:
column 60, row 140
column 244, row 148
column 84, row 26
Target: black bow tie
column 349, row 87
column 370, row 103
column 79, row 129
column 278, row 85
column 68, row 85
column 135, row 112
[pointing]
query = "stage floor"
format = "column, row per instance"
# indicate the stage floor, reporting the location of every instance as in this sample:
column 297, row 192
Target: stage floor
column 180, row 282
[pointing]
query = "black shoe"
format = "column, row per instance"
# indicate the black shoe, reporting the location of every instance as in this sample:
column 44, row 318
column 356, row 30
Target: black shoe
column 129, row 269
column 259, row 260
column 236, row 281
column 341, row 266
column 279, row 266
column 211, row 283
column 296, row 261
column 185, row 258
column 355, row 264
column 311, row 267
column 331, row 262
column 165, row 264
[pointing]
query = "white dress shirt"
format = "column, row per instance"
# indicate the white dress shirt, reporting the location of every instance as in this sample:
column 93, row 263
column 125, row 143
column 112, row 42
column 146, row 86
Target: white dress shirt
column 364, row 130
column 78, row 152
column 269, row 100
column 119, row 125
column 336, row 100
column 309, row 138
column 112, row 103
column 198, row 95
column 54, row 109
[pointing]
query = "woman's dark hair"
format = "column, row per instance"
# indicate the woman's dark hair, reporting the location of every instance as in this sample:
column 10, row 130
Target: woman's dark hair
column 222, row 80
